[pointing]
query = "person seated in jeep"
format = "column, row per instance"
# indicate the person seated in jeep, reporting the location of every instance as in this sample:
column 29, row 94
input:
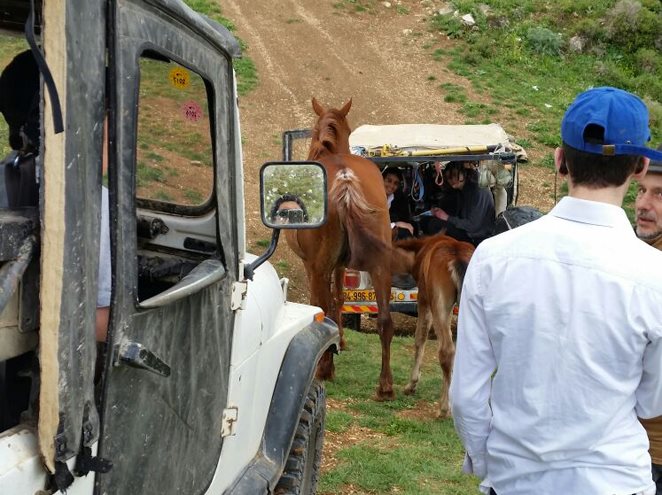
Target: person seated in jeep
column 475, row 219
column 19, row 105
column 398, row 204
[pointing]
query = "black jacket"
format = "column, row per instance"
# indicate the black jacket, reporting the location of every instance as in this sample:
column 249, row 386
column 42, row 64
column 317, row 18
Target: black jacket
column 399, row 210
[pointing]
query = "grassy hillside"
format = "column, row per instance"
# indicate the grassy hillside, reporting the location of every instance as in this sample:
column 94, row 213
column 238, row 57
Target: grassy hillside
column 244, row 67
column 534, row 57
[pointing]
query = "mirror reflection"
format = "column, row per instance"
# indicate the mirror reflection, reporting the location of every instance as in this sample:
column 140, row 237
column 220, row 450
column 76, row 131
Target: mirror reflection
column 293, row 195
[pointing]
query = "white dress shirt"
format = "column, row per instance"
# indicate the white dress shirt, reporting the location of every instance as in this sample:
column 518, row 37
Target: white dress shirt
column 566, row 314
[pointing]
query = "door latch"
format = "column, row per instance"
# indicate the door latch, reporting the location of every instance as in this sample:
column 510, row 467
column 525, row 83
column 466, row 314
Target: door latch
column 136, row 355
column 230, row 416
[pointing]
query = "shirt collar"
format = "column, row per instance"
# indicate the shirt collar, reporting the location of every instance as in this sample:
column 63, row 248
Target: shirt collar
column 389, row 199
column 592, row 212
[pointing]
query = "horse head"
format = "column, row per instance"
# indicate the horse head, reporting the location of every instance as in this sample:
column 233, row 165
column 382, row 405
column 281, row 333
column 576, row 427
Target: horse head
column 331, row 131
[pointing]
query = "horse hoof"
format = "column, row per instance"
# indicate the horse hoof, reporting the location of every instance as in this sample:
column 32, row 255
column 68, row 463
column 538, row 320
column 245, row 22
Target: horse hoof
column 444, row 414
column 410, row 389
column 343, row 345
column 381, row 396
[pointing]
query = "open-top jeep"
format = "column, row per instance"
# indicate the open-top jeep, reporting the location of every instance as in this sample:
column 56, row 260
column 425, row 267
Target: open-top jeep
column 420, row 152
column 203, row 378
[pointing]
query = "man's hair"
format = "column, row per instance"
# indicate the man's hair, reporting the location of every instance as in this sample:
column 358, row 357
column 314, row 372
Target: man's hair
column 19, row 101
column 455, row 169
column 393, row 171
column 288, row 197
column 597, row 171
column 655, row 166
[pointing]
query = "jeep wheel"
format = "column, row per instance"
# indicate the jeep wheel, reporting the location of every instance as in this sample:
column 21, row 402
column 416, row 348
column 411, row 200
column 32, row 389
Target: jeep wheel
column 302, row 468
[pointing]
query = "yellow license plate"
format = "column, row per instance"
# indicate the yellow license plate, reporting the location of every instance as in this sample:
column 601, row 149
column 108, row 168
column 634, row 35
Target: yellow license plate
column 359, row 295
column 362, row 295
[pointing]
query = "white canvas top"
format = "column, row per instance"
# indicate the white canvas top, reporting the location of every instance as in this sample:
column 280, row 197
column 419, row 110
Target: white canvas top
column 427, row 136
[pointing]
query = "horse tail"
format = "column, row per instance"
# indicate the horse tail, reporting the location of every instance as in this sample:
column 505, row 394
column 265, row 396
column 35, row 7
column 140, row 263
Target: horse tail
column 355, row 214
column 458, row 265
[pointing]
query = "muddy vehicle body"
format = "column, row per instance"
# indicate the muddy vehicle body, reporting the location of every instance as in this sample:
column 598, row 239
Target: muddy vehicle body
column 420, row 152
column 205, row 381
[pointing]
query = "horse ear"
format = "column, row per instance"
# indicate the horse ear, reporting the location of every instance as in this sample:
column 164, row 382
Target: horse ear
column 345, row 108
column 319, row 109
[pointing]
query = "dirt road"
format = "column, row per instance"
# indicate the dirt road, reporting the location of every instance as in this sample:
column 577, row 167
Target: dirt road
column 323, row 48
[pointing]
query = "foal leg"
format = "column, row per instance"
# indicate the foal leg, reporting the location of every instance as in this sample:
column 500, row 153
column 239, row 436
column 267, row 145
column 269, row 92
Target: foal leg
column 423, row 324
column 338, row 300
column 381, row 279
column 441, row 317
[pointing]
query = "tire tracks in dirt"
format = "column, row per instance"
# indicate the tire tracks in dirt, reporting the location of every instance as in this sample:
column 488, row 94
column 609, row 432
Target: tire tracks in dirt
column 304, row 48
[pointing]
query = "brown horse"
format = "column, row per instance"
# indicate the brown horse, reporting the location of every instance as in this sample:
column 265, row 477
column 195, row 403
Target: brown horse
column 438, row 264
column 357, row 233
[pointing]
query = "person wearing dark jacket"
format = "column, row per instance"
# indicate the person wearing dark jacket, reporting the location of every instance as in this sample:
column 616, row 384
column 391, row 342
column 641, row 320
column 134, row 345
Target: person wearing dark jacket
column 475, row 219
column 398, row 205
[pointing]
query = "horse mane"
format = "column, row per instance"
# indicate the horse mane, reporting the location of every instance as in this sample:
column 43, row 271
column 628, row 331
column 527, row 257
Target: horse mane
column 325, row 135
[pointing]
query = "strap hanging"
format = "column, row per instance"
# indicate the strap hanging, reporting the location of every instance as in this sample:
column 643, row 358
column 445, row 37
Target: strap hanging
column 58, row 125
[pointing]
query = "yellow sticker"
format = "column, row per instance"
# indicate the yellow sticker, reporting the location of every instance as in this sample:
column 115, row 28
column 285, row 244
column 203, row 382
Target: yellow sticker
column 179, row 77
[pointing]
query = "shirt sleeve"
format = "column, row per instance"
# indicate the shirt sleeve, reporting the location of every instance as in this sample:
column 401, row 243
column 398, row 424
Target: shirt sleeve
column 649, row 392
column 472, row 372
column 104, row 278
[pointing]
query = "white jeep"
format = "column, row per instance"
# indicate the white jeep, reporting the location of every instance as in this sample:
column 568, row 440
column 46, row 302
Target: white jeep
column 205, row 381
column 420, row 152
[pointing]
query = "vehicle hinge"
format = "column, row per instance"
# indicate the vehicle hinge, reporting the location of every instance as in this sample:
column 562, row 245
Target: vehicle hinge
column 238, row 299
column 229, row 420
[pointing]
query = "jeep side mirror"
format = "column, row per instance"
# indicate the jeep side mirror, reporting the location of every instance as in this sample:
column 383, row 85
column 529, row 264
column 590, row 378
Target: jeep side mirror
column 292, row 196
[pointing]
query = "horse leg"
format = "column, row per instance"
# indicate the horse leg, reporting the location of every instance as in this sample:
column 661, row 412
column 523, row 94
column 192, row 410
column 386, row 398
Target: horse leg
column 441, row 317
column 422, row 329
column 381, row 279
column 320, row 295
column 338, row 300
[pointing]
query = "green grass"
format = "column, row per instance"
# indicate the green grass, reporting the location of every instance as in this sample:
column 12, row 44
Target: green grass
column 396, row 452
column 263, row 243
column 282, row 266
column 247, row 78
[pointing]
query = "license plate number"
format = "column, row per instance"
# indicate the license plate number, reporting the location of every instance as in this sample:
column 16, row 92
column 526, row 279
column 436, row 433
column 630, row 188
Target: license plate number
column 360, row 295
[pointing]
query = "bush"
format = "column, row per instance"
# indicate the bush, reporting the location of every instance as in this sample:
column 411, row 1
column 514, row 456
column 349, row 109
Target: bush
column 609, row 74
column 655, row 117
column 449, row 25
column 592, row 31
column 648, row 61
column 632, row 26
column 544, row 41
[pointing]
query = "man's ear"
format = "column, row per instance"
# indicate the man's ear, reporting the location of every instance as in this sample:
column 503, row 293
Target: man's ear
column 642, row 168
column 559, row 162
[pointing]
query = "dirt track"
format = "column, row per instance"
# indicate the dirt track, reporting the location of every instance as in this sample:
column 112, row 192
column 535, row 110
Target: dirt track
column 305, row 48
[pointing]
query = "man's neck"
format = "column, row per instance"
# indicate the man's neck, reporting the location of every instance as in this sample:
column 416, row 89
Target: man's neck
column 610, row 195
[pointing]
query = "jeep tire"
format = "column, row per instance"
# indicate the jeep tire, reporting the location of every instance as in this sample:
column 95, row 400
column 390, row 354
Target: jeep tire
column 302, row 469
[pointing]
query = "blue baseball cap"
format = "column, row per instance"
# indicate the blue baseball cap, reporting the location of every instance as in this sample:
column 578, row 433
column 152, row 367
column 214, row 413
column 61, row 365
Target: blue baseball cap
column 655, row 166
column 622, row 116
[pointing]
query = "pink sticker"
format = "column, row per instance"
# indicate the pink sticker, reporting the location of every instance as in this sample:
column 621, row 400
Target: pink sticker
column 192, row 111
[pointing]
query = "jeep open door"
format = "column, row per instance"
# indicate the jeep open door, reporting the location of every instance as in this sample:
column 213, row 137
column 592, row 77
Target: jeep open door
column 174, row 248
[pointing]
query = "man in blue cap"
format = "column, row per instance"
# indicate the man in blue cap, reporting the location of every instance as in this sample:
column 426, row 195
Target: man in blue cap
column 559, row 344
column 648, row 206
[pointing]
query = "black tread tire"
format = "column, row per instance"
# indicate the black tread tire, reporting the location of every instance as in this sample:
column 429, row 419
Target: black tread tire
column 352, row 321
column 302, row 468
